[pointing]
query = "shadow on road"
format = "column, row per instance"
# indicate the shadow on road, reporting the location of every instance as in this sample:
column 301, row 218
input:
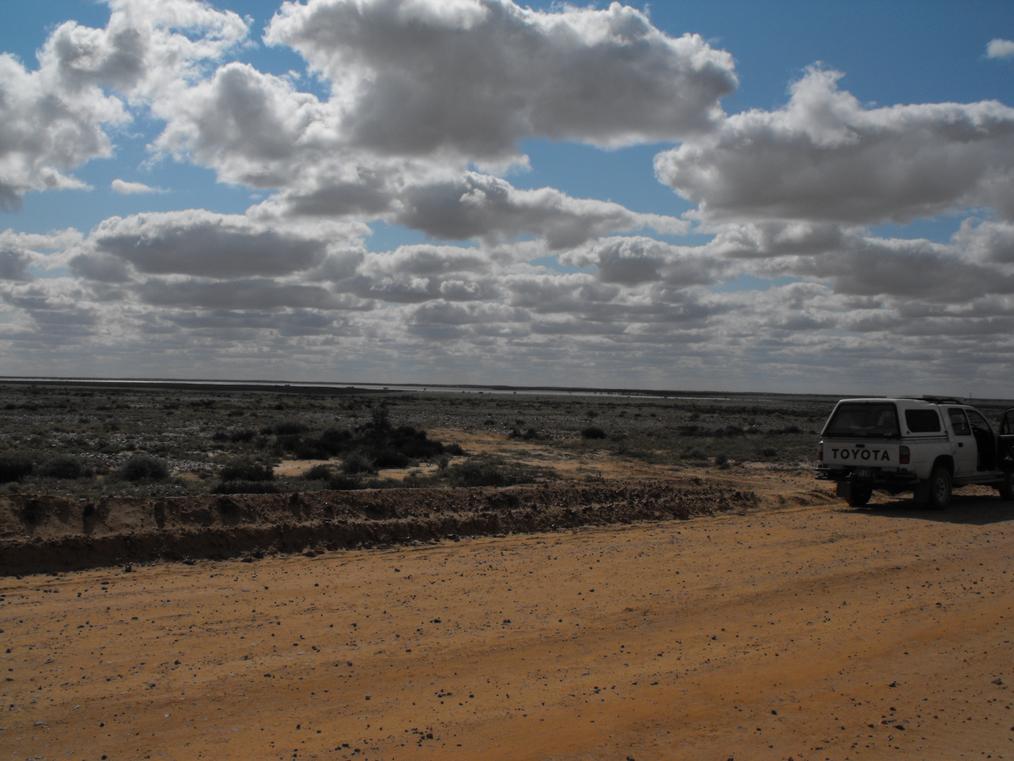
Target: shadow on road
column 973, row 509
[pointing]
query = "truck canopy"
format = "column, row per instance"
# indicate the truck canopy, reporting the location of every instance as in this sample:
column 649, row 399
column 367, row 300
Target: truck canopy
column 864, row 419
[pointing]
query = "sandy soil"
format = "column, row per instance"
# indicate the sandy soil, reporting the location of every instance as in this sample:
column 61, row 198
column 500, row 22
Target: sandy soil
column 796, row 630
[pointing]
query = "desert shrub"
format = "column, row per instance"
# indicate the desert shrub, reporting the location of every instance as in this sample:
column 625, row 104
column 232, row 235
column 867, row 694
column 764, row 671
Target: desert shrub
column 769, row 452
column 344, row 483
column 722, row 460
column 380, row 418
column 289, row 427
column 319, row 473
column 413, row 444
column 389, row 457
column 220, row 436
column 454, row 449
column 335, row 441
column 592, row 432
column 144, row 467
column 245, row 487
column 696, row 454
column 246, row 470
column 242, row 436
column 63, row 466
column 14, row 466
column 357, row 462
column 489, row 472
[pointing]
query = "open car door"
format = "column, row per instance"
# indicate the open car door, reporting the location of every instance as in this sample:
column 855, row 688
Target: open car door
column 1006, row 443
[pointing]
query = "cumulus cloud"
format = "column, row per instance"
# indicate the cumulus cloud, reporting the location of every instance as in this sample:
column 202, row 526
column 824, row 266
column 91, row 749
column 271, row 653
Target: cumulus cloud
column 253, row 128
column 911, row 269
column 102, row 268
column 13, row 265
column 58, row 117
column 198, row 242
column 45, row 133
column 262, row 294
column 480, row 206
column 126, row 188
column 987, row 242
column 144, row 48
column 825, row 157
column 474, row 77
column 1000, row 48
column 633, row 261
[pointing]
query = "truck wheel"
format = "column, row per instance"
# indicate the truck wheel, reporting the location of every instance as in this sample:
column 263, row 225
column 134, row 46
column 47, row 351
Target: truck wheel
column 939, row 488
column 1006, row 487
column 858, row 495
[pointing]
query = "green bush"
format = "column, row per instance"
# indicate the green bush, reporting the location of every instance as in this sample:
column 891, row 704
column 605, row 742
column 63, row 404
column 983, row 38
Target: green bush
column 63, row 466
column 246, row 470
column 14, row 467
column 144, row 467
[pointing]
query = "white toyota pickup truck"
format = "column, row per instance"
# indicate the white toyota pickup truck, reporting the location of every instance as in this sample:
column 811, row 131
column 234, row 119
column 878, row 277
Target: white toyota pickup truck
column 927, row 446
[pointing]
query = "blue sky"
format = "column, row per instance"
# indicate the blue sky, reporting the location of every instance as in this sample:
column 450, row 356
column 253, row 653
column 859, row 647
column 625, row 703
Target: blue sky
column 690, row 237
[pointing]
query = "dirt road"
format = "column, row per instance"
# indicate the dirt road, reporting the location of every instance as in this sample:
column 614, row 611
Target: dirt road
column 800, row 631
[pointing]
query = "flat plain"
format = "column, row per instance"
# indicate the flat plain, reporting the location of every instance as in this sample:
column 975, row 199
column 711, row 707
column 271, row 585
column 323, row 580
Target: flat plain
column 679, row 587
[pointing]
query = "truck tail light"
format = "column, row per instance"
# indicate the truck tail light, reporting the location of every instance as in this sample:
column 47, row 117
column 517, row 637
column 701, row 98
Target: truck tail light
column 904, row 455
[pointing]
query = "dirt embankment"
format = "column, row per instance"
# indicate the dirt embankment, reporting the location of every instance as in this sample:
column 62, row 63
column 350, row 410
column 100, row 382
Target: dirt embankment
column 45, row 534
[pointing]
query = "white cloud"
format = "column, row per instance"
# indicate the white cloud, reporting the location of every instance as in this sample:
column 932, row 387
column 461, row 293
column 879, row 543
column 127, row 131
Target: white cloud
column 145, row 48
column 473, row 77
column 259, row 294
column 1000, row 48
column 202, row 243
column 126, row 188
column 45, row 133
column 480, row 206
column 13, row 265
column 633, row 261
column 825, row 157
column 57, row 117
column 252, row 128
column 987, row 242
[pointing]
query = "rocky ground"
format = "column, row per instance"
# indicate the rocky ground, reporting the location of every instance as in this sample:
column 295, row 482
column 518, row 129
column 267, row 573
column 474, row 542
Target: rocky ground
column 46, row 534
column 784, row 627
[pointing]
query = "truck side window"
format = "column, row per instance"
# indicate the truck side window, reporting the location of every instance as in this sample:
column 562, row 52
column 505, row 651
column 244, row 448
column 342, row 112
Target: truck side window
column 979, row 422
column 922, row 421
column 958, row 422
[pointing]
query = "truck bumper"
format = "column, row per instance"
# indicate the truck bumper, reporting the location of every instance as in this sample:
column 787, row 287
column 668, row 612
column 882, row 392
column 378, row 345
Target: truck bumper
column 877, row 478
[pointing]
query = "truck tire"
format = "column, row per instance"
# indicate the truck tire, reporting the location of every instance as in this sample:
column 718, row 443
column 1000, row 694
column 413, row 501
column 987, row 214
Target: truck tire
column 1006, row 487
column 859, row 495
column 939, row 488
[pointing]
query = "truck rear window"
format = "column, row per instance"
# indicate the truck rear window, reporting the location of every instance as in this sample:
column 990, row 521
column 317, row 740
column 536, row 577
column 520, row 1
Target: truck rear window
column 922, row 421
column 867, row 420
